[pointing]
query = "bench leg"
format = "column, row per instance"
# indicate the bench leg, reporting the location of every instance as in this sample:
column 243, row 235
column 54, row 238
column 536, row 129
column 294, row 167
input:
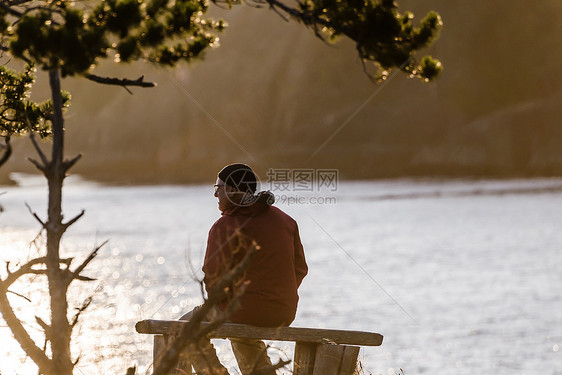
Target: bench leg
column 161, row 342
column 349, row 360
column 305, row 355
column 335, row 360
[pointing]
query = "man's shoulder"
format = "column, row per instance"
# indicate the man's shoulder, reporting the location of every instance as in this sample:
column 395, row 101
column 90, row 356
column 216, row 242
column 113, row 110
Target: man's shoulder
column 225, row 221
column 239, row 217
column 276, row 211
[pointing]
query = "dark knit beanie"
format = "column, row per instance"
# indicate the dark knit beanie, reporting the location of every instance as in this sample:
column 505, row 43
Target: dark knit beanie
column 239, row 176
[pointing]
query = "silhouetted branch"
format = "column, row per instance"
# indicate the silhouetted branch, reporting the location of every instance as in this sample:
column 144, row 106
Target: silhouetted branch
column 76, row 273
column 37, row 165
column 7, row 150
column 120, row 81
column 224, row 315
column 191, row 332
column 23, row 270
column 74, row 220
column 35, row 215
column 280, row 14
column 8, row 9
column 78, row 358
column 307, row 19
column 7, row 6
column 27, row 269
column 80, row 310
column 67, row 164
column 258, row 4
column 45, row 326
column 19, row 295
column 79, row 277
column 13, row 3
column 44, row 160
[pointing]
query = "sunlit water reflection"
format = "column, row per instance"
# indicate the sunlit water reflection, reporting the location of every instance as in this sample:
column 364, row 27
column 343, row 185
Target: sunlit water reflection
column 460, row 277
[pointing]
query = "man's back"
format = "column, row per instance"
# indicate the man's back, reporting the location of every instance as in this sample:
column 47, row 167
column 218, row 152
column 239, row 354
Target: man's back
column 276, row 270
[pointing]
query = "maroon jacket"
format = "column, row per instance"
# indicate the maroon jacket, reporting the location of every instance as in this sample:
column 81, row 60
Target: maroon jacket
column 276, row 271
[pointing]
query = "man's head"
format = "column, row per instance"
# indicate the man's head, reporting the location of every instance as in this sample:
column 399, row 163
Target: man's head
column 233, row 183
column 239, row 176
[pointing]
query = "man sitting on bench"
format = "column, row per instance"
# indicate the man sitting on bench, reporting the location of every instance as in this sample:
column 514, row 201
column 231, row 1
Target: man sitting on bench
column 275, row 272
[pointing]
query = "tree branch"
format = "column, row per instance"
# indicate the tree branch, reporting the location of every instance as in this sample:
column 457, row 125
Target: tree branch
column 27, row 269
column 13, row 3
column 307, row 19
column 7, row 151
column 225, row 315
column 43, row 325
column 35, row 216
column 8, row 8
column 74, row 220
column 23, row 270
column 37, row 165
column 191, row 332
column 19, row 295
column 67, row 164
column 7, row 5
column 80, row 309
column 120, row 81
column 44, row 159
column 21, row 335
column 76, row 274
column 85, row 278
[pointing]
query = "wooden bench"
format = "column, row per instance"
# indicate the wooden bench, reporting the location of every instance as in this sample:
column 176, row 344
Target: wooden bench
column 317, row 351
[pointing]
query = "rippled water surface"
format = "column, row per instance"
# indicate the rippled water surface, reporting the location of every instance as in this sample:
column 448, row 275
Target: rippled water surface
column 460, row 277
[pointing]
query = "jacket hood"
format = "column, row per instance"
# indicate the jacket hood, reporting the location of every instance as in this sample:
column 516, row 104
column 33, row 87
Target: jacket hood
column 252, row 206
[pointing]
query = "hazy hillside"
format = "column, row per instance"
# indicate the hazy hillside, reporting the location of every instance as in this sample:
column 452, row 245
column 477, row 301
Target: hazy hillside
column 272, row 94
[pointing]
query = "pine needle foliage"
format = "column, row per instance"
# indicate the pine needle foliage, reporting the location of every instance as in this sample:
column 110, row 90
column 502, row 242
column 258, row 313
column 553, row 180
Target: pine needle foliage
column 382, row 35
column 18, row 113
column 76, row 36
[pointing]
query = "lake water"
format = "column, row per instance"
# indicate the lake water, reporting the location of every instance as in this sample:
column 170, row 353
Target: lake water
column 461, row 277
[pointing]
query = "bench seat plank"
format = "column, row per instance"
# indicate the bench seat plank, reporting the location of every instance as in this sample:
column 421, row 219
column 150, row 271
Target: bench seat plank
column 306, row 335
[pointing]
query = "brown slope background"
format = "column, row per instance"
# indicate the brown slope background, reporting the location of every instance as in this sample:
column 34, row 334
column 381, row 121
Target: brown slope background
column 274, row 96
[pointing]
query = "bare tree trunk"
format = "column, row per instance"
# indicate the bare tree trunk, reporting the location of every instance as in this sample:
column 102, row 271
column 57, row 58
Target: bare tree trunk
column 60, row 329
column 58, row 332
